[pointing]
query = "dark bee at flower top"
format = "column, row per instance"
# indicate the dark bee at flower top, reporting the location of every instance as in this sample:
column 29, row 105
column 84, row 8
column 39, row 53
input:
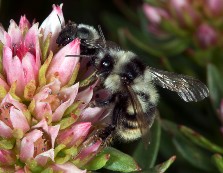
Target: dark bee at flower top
column 86, row 33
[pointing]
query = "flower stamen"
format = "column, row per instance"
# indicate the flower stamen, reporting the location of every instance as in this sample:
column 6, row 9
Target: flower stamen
column 5, row 114
column 42, row 144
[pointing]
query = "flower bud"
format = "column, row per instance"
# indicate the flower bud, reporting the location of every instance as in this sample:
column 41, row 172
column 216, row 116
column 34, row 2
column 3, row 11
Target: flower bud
column 206, row 36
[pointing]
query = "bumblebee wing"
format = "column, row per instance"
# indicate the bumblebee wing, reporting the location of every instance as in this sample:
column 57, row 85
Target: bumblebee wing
column 140, row 115
column 188, row 88
column 101, row 44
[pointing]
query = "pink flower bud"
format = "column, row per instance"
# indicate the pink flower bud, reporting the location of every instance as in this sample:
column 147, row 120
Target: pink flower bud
column 154, row 14
column 215, row 6
column 24, row 24
column 52, row 25
column 53, row 100
column 7, row 157
column 62, row 67
column 74, row 135
column 184, row 12
column 12, row 117
column 206, row 35
column 87, row 153
column 39, row 143
column 67, row 168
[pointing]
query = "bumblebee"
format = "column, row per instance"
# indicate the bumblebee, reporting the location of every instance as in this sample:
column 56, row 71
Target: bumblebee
column 134, row 96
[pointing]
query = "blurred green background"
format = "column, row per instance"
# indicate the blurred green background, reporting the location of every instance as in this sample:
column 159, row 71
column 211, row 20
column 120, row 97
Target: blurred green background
column 170, row 45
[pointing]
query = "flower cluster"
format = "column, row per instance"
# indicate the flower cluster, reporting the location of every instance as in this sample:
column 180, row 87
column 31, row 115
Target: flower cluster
column 185, row 18
column 43, row 122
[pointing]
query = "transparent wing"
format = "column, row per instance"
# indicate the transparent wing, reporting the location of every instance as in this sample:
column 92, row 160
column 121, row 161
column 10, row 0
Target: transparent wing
column 140, row 115
column 188, row 88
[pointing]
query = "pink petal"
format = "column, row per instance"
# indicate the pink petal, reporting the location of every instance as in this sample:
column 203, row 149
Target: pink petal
column 41, row 109
column 2, row 37
column 28, row 68
column 215, row 6
column 7, row 157
column 43, row 157
column 42, row 94
column 88, row 151
column 5, row 131
column 152, row 13
column 63, row 66
column 15, row 73
column 27, row 144
column 24, row 23
column 53, row 132
column 55, row 86
column 8, row 99
column 42, row 124
column 18, row 120
column 7, row 58
column 85, row 96
column 70, row 92
column 67, row 168
column 20, row 170
column 179, row 4
column 57, row 115
column 3, row 155
column 52, row 25
column 15, row 33
column 77, row 132
column 92, row 114
column 28, row 64
column 7, row 41
column 206, row 35
column 32, row 42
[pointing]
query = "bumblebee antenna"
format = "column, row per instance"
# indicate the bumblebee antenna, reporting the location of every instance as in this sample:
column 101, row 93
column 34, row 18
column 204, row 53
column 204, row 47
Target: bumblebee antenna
column 81, row 56
column 60, row 21
column 102, row 35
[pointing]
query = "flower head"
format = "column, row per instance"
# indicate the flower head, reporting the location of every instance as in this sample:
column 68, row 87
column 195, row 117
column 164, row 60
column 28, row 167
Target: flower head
column 46, row 122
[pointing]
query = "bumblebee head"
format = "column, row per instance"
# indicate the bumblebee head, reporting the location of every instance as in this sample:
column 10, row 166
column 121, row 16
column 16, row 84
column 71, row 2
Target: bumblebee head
column 67, row 34
column 104, row 64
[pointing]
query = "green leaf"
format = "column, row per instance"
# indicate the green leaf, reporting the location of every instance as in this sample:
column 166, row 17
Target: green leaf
column 33, row 166
column 194, row 155
column 47, row 170
column 215, row 85
column 29, row 90
column 218, row 161
column 161, row 168
column 88, row 80
column 147, row 156
column 200, row 140
column 44, row 45
column 98, row 162
column 43, row 70
column 7, row 144
column 120, row 161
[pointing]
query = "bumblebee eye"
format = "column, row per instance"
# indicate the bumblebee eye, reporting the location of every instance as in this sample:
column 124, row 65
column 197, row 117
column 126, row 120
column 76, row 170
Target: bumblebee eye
column 67, row 39
column 106, row 62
